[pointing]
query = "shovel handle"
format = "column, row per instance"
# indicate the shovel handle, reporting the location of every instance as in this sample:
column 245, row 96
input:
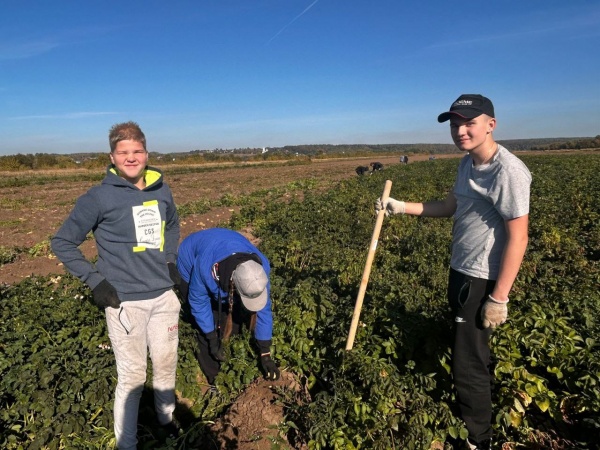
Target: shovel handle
column 365, row 278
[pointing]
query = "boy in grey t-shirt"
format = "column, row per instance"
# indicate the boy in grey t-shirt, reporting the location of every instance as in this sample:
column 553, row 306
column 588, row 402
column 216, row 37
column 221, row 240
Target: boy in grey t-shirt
column 490, row 207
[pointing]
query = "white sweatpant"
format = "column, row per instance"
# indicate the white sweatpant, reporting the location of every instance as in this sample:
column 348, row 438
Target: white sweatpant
column 133, row 328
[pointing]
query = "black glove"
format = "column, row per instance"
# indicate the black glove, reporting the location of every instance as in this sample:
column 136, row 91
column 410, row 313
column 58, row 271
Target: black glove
column 263, row 346
column 106, row 295
column 269, row 367
column 174, row 274
column 214, row 346
column 184, row 289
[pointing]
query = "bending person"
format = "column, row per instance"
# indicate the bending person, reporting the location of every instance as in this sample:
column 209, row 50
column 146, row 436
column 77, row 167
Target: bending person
column 226, row 281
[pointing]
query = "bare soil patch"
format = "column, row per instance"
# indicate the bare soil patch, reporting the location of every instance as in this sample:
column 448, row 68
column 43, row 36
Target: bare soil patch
column 252, row 421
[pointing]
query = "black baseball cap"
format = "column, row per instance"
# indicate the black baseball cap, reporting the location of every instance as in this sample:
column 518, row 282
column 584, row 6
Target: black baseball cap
column 469, row 106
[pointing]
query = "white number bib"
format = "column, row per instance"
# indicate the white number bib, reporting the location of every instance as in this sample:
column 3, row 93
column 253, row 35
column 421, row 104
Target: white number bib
column 148, row 225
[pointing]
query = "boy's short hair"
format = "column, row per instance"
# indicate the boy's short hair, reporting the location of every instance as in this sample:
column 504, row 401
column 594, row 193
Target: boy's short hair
column 126, row 131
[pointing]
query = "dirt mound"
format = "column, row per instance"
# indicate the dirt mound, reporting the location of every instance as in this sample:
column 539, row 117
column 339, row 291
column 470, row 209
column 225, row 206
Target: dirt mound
column 252, row 422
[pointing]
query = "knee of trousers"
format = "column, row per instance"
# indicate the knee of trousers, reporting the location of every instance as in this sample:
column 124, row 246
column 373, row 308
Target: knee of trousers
column 131, row 380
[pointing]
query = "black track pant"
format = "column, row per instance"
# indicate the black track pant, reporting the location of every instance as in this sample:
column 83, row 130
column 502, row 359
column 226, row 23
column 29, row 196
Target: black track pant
column 471, row 353
column 210, row 367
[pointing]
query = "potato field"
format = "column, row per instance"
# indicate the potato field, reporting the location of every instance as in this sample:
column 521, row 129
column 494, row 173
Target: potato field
column 394, row 389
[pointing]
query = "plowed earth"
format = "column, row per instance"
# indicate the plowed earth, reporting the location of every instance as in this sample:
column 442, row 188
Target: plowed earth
column 30, row 215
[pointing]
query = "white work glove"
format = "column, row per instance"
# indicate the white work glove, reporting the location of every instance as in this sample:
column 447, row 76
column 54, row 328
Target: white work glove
column 494, row 312
column 391, row 206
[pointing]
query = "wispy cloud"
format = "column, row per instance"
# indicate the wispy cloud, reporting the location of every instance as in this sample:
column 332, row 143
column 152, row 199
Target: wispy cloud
column 21, row 50
column 70, row 116
column 496, row 37
column 34, row 46
column 578, row 24
column 293, row 20
column 300, row 121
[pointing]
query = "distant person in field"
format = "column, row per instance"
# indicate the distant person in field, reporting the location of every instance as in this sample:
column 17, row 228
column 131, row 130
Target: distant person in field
column 490, row 206
column 376, row 166
column 225, row 278
column 136, row 227
column 361, row 170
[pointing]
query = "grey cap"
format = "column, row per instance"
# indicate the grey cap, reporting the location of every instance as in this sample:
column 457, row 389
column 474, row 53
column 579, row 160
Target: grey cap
column 251, row 282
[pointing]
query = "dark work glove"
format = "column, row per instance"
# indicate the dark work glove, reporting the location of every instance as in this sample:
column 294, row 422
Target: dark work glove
column 263, row 346
column 184, row 289
column 174, row 274
column 269, row 367
column 106, row 295
column 214, row 346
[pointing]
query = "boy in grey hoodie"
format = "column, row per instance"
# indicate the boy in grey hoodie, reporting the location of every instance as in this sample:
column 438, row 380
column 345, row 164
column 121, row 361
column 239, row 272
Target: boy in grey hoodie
column 134, row 220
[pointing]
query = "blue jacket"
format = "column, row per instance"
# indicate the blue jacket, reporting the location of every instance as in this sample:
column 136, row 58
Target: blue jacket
column 196, row 257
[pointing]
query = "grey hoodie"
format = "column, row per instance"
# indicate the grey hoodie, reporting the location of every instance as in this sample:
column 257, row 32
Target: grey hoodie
column 136, row 232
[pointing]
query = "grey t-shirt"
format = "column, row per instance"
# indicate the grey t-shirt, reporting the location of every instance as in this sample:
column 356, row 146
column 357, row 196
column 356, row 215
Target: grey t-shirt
column 486, row 196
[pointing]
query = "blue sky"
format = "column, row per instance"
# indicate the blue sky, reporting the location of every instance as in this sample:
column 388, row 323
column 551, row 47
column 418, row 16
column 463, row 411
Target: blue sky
column 255, row 73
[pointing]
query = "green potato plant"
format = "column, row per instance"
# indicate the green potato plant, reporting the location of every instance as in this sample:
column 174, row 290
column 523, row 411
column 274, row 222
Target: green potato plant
column 394, row 389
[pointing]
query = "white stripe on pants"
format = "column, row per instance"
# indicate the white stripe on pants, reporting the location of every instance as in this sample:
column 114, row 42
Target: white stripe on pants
column 133, row 328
